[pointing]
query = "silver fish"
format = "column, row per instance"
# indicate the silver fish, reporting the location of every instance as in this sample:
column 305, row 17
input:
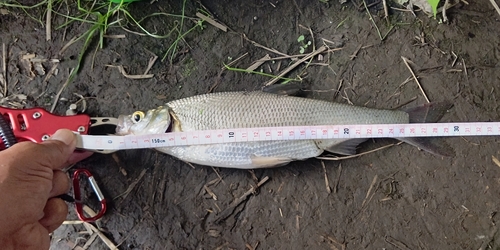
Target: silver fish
column 260, row 109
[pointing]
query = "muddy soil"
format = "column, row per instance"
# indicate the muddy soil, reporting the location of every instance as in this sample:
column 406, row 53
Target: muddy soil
column 396, row 198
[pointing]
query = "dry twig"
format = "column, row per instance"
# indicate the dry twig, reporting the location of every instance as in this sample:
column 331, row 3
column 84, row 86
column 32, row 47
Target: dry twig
column 386, row 12
column 465, row 69
column 229, row 210
column 3, row 76
column 72, row 222
column 209, row 191
column 103, row 237
column 58, row 95
column 214, row 86
column 355, row 53
column 132, row 186
column 258, row 63
column 124, row 73
column 336, row 186
column 152, row 61
column 445, row 7
column 67, row 45
column 51, row 72
column 48, row 21
column 218, row 175
column 328, row 189
column 90, row 240
column 119, row 36
column 336, row 158
column 263, row 47
column 495, row 160
column 370, row 190
column 398, row 244
column 212, row 22
column 285, row 71
column 495, row 5
column 405, row 60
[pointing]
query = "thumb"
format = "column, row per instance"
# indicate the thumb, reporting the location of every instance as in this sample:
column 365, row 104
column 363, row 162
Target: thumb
column 55, row 152
column 70, row 139
column 65, row 136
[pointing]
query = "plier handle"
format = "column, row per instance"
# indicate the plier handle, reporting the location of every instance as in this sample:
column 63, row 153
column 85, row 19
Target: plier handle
column 38, row 125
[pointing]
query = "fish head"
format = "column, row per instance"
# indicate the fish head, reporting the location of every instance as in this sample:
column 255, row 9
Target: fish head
column 154, row 121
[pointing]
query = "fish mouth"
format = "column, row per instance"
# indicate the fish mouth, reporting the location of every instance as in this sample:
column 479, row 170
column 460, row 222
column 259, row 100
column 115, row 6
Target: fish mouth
column 122, row 127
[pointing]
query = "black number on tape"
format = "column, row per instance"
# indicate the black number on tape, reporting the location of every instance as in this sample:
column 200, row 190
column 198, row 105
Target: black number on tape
column 158, row 141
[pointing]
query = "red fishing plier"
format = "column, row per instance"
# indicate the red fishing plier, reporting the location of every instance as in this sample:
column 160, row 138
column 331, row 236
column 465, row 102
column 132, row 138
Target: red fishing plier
column 37, row 125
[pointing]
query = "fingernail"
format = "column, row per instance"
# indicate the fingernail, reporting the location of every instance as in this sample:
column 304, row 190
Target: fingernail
column 64, row 135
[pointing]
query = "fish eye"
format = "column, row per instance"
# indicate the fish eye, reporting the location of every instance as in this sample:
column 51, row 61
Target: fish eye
column 137, row 116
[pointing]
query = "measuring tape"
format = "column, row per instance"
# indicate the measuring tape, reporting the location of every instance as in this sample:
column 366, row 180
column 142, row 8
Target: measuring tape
column 288, row 133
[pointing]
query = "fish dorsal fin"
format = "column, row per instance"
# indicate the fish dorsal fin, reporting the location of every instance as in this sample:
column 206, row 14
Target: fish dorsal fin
column 175, row 123
column 290, row 89
column 429, row 112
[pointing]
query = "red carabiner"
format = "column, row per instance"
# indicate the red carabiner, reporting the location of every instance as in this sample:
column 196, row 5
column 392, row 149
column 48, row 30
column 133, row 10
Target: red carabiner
column 79, row 202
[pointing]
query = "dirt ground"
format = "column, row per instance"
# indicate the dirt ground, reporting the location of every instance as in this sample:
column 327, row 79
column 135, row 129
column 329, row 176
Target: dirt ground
column 396, row 198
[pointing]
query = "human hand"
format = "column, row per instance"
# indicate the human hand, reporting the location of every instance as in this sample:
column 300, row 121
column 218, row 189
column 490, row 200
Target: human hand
column 30, row 179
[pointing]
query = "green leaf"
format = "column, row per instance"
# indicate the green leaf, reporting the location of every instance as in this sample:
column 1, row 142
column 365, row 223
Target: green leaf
column 434, row 5
column 300, row 39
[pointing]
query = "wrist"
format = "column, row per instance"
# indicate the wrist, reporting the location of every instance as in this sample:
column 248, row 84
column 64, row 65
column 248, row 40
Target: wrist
column 28, row 237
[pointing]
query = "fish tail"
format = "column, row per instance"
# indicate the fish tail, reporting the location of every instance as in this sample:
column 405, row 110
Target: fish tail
column 429, row 113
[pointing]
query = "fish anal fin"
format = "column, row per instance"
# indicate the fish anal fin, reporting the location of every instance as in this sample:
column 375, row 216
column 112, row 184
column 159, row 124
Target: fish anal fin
column 268, row 162
column 342, row 147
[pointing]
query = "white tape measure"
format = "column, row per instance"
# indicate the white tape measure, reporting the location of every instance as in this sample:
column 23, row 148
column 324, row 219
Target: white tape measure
column 91, row 142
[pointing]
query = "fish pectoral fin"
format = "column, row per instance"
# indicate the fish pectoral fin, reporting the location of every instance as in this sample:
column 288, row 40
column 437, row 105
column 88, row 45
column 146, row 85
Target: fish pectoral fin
column 267, row 162
column 175, row 125
column 347, row 147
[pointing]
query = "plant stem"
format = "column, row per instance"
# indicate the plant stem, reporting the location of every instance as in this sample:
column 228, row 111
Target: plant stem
column 258, row 73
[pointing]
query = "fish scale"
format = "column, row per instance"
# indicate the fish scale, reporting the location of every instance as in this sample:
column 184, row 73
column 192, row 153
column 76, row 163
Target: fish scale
column 245, row 155
column 260, row 109
column 228, row 110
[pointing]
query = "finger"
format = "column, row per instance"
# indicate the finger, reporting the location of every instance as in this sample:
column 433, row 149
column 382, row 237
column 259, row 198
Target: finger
column 65, row 136
column 53, row 153
column 55, row 213
column 78, row 156
column 58, row 149
column 60, row 184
